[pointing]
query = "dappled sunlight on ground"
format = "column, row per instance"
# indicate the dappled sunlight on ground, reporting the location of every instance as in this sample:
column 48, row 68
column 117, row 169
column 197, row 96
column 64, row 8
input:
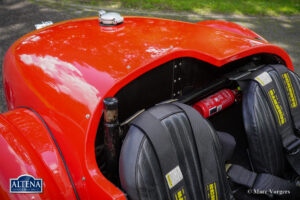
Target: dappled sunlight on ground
column 17, row 18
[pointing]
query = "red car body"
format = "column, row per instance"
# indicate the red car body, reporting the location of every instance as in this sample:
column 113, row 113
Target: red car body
column 55, row 79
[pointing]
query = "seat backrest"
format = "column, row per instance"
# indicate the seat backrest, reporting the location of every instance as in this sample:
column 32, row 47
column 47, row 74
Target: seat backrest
column 200, row 172
column 267, row 117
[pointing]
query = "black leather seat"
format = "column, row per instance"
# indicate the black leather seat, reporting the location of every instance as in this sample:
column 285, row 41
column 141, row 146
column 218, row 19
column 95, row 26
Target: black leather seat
column 271, row 113
column 264, row 139
column 198, row 153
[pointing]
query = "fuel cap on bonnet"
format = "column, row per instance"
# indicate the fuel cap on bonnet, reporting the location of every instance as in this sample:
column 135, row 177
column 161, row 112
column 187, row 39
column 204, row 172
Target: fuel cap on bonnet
column 110, row 18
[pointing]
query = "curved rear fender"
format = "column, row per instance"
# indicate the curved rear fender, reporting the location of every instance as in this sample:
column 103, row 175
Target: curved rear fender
column 232, row 27
column 26, row 147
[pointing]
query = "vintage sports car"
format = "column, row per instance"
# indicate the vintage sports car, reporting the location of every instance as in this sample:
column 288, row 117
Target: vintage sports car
column 114, row 107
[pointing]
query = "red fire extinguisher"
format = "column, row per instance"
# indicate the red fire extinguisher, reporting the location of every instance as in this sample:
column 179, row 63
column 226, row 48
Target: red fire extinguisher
column 216, row 102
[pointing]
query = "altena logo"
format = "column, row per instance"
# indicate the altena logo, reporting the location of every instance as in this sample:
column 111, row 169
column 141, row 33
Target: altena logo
column 26, row 184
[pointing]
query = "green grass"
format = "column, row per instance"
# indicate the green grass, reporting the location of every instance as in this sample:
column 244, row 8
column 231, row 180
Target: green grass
column 242, row 7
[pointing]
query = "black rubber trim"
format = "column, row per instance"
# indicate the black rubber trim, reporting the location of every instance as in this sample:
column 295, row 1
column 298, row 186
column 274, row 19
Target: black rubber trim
column 56, row 144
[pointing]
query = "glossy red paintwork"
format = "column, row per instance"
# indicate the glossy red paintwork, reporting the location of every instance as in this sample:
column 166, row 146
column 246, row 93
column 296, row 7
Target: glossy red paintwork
column 27, row 148
column 231, row 27
column 64, row 71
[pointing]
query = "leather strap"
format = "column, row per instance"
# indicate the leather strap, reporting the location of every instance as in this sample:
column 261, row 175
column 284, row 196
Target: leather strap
column 291, row 91
column 165, row 150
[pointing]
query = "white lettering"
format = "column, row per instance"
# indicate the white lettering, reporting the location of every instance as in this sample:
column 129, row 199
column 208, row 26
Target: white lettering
column 38, row 184
column 14, row 184
column 32, row 184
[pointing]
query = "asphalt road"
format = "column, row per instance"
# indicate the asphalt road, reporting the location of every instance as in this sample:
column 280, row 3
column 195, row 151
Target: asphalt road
column 17, row 17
